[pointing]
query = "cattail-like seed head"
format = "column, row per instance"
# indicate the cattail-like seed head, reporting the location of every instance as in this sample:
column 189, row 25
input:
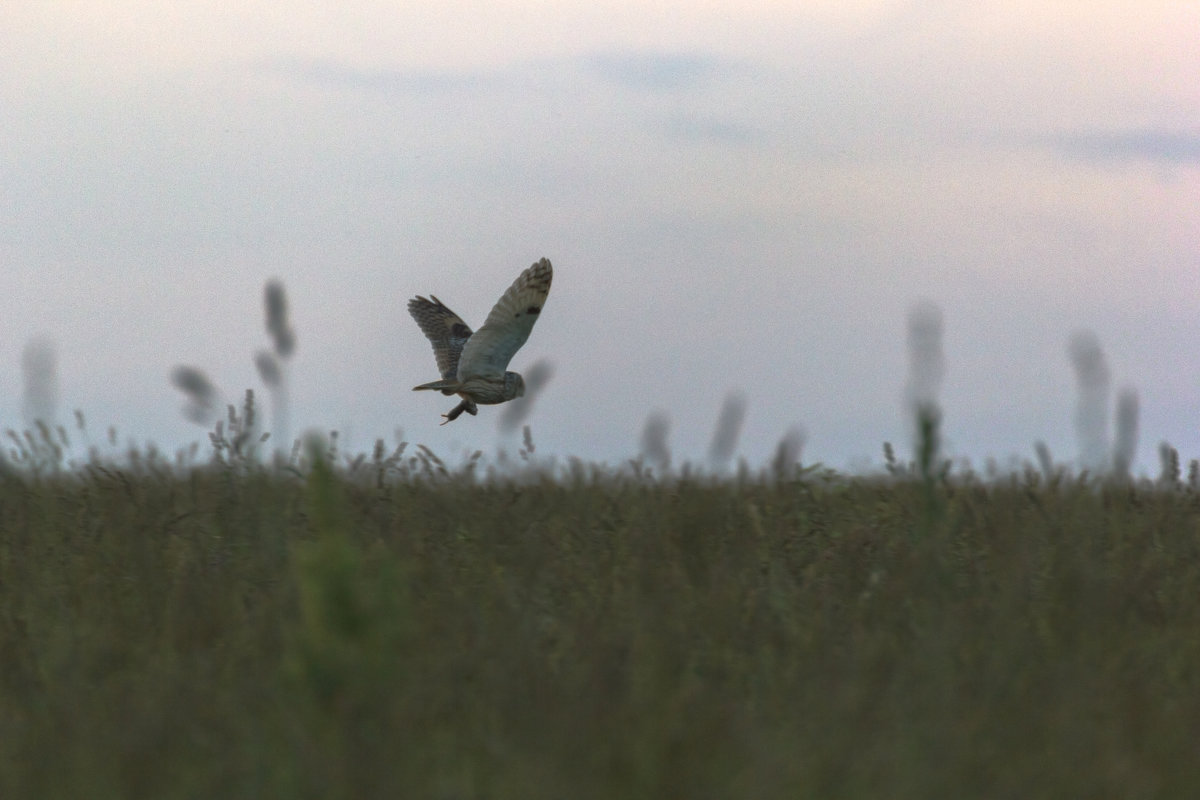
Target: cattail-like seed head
column 275, row 301
column 654, row 440
column 201, row 394
column 268, row 368
column 39, row 367
column 729, row 428
column 517, row 411
column 1125, row 444
column 787, row 452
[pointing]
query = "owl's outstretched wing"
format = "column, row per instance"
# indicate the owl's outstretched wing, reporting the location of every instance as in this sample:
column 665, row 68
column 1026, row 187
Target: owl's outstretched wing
column 489, row 350
column 445, row 330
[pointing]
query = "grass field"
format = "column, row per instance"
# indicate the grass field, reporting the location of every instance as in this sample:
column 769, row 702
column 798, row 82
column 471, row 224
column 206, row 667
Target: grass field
column 392, row 628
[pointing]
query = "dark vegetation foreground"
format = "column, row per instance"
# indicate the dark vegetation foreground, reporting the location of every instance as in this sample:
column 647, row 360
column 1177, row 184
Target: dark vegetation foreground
column 232, row 633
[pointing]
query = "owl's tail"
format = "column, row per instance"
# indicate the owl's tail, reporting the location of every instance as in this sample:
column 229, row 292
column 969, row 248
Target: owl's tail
column 446, row 385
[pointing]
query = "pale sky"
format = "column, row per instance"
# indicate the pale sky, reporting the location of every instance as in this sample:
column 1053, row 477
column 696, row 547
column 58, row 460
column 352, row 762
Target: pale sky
column 735, row 196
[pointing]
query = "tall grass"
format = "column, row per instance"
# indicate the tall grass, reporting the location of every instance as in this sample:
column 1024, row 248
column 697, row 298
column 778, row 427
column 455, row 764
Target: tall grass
column 391, row 626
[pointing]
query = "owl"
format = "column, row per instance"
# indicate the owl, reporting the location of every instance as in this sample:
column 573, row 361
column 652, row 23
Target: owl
column 473, row 365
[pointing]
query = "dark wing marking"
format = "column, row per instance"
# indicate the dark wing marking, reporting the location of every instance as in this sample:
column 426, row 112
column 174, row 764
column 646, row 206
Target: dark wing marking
column 445, row 330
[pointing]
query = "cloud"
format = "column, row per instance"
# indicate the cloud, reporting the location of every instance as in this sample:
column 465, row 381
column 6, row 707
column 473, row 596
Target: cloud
column 656, row 71
column 643, row 70
column 334, row 74
column 709, row 130
column 690, row 104
column 1145, row 144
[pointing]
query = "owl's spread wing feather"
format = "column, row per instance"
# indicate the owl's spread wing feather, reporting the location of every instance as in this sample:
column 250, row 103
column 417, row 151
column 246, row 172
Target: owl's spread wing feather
column 488, row 351
column 445, row 330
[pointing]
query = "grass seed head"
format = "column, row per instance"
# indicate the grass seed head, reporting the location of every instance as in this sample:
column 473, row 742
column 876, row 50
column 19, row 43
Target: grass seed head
column 727, row 430
column 654, row 440
column 39, row 368
column 268, row 369
column 280, row 330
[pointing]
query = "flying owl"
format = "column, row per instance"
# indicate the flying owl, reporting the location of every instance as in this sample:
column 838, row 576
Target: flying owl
column 473, row 365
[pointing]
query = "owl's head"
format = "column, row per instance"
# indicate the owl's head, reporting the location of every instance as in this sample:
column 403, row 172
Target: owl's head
column 514, row 386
